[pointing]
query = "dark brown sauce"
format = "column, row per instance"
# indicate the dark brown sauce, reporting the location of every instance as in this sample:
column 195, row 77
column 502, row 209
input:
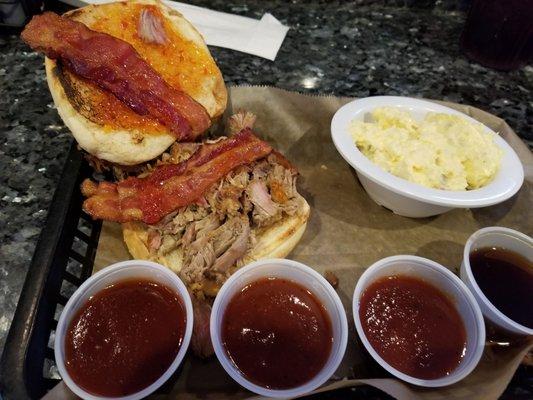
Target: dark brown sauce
column 413, row 326
column 125, row 337
column 277, row 333
column 506, row 278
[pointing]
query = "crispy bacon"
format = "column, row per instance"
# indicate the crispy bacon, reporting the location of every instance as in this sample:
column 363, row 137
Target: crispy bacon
column 116, row 67
column 283, row 161
column 172, row 186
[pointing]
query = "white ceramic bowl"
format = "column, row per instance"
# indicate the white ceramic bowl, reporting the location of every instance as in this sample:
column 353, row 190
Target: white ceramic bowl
column 304, row 276
column 407, row 198
column 509, row 239
column 107, row 276
column 450, row 284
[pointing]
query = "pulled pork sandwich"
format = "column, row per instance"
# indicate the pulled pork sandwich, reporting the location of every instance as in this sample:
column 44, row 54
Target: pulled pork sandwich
column 128, row 78
column 232, row 201
column 136, row 85
column 205, row 211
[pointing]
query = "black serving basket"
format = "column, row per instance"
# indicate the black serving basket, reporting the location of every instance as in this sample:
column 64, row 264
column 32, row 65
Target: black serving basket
column 63, row 259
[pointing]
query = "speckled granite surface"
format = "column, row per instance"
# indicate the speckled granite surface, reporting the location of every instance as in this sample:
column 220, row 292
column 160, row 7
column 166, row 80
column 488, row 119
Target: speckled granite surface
column 350, row 49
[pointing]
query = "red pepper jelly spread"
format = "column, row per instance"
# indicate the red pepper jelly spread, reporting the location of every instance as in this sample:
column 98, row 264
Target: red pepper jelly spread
column 277, row 333
column 413, row 326
column 124, row 337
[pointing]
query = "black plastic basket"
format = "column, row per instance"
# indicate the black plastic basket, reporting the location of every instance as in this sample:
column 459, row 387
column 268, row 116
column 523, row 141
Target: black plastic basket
column 63, row 259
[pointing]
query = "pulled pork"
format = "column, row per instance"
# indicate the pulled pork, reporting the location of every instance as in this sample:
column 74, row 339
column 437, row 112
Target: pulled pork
column 217, row 231
column 179, row 151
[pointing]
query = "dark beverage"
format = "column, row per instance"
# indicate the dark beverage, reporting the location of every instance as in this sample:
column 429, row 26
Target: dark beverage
column 506, row 278
column 499, row 33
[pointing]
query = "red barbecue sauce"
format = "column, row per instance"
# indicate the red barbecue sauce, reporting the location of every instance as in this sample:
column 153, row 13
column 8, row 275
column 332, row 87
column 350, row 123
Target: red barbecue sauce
column 413, row 326
column 125, row 337
column 277, row 333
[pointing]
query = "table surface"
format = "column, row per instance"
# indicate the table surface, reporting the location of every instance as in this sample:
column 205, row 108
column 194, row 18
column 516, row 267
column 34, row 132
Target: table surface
column 359, row 48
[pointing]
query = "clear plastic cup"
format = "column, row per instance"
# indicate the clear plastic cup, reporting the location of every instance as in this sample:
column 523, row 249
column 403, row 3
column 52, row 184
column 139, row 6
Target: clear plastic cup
column 306, row 277
column 439, row 276
column 115, row 273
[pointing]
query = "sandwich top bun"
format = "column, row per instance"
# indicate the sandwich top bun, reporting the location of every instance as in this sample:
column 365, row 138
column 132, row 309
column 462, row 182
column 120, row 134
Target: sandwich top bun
column 103, row 125
column 274, row 241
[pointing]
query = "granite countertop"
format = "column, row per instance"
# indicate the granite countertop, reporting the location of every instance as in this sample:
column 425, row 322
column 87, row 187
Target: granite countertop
column 358, row 48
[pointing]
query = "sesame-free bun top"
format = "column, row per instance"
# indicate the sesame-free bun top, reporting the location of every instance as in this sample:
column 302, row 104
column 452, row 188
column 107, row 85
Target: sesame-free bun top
column 103, row 125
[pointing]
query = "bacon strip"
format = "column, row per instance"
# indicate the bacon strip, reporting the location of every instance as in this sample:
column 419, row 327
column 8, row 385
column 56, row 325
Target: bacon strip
column 116, row 67
column 170, row 187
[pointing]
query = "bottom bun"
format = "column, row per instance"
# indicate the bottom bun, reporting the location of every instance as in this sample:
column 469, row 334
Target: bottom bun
column 275, row 241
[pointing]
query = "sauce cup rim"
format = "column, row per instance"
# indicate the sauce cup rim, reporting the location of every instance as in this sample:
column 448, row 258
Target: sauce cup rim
column 337, row 315
column 468, row 270
column 479, row 333
column 172, row 281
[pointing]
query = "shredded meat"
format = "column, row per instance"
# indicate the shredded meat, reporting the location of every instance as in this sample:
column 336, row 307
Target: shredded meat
column 150, row 27
column 201, row 337
column 215, row 249
column 240, row 120
column 176, row 225
column 217, row 232
column 168, row 244
column 265, row 210
column 237, row 249
column 199, row 257
column 225, row 197
column 176, row 153
column 154, row 240
column 207, row 225
column 225, row 235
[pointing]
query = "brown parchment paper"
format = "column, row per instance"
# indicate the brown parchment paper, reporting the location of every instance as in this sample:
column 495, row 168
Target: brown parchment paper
column 346, row 233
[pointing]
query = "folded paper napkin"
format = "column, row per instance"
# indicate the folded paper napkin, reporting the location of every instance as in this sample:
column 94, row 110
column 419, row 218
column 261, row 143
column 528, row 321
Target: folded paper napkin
column 261, row 38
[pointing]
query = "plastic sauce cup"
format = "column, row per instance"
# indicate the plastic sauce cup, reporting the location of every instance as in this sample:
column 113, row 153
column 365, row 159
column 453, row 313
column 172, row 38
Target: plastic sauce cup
column 509, row 239
column 442, row 278
column 116, row 273
column 304, row 276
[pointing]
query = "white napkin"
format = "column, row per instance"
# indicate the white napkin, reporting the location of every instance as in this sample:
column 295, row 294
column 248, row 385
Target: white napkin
column 261, row 38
